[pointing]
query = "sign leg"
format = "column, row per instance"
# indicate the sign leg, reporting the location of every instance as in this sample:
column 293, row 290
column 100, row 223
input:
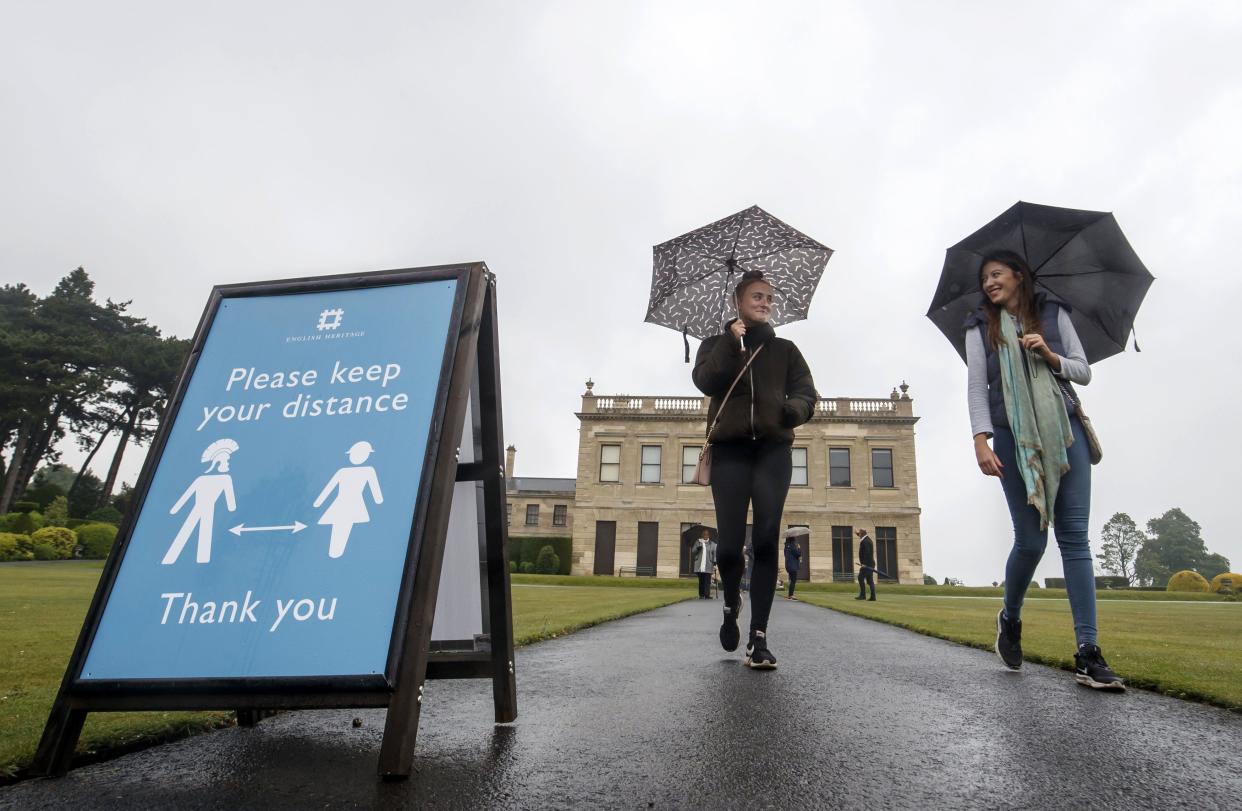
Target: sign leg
column 60, row 739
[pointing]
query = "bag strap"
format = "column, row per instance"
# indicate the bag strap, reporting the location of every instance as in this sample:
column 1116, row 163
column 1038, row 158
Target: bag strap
column 719, row 411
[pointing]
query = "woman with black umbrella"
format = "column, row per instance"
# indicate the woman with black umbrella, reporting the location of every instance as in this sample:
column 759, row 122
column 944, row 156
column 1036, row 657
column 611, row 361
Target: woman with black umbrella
column 1020, row 350
column 751, row 460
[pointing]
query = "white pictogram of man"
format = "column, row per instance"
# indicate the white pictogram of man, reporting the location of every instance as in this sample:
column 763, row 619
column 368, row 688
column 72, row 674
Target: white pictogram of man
column 206, row 490
column 350, row 506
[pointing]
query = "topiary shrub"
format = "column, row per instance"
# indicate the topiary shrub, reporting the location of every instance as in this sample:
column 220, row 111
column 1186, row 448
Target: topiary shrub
column 928, row 580
column 106, row 515
column 25, row 506
column 1186, row 580
column 548, row 562
column 21, row 523
column 57, row 513
column 527, row 567
column 45, row 551
column 15, row 547
column 1054, row 582
column 96, row 539
column 62, row 541
column 1234, row 586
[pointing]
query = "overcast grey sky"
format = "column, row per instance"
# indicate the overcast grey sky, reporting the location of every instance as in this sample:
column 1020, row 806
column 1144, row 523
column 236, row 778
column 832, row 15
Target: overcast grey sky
column 168, row 147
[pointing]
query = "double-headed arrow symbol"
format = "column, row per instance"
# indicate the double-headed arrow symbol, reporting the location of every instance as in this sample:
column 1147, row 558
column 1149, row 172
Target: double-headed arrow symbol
column 296, row 526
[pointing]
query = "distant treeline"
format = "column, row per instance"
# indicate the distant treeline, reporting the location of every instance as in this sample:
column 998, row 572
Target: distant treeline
column 72, row 365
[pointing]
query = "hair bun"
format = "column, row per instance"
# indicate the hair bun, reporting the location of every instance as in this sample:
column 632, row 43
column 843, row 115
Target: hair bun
column 752, row 274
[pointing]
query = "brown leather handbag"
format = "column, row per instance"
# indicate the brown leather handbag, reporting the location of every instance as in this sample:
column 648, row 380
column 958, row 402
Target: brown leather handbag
column 1094, row 451
column 703, row 470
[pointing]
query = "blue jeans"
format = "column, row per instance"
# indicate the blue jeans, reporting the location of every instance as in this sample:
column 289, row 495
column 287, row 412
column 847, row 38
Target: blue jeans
column 1072, row 512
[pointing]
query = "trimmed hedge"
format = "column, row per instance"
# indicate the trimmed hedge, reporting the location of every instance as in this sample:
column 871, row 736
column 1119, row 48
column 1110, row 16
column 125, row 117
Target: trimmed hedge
column 15, row 547
column 61, row 541
column 526, row 550
column 1103, row 581
column 547, row 562
column 1187, row 580
column 21, row 523
column 96, row 540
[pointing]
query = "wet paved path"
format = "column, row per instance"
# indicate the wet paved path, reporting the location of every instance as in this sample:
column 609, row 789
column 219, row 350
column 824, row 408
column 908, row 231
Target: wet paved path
column 626, row 715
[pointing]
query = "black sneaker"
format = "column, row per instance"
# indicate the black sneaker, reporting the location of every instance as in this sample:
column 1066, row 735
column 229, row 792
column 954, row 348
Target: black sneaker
column 758, row 656
column 1009, row 640
column 1091, row 670
column 729, row 633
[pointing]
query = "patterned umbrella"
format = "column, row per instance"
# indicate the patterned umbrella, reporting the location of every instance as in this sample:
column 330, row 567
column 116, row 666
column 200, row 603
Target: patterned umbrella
column 1080, row 258
column 694, row 275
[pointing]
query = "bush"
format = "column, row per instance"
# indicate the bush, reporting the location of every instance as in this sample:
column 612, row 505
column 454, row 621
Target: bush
column 106, row 515
column 928, row 580
column 96, row 539
column 1218, row 582
column 527, row 567
column 62, row 541
column 21, row 523
column 526, row 550
column 1054, row 582
column 1034, row 584
column 1186, row 580
column 512, row 566
column 1110, row 581
column 57, row 513
column 15, row 547
column 25, row 506
column 548, row 561
column 45, row 551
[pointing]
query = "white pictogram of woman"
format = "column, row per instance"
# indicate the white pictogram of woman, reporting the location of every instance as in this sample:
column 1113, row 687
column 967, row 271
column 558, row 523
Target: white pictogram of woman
column 349, row 507
column 206, row 490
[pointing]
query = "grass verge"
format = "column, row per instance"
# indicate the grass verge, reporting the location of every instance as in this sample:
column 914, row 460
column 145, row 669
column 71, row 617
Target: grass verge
column 42, row 606
column 1186, row 650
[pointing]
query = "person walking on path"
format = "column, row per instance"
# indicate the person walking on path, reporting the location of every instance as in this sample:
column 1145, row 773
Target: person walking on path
column 866, row 571
column 751, row 459
column 703, row 559
column 1021, row 352
column 793, row 558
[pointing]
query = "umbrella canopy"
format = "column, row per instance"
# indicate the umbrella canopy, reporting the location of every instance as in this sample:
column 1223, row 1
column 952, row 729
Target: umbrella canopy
column 1079, row 258
column 695, row 532
column 694, row 274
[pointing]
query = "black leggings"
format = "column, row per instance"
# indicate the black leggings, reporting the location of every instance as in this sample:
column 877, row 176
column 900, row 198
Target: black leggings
column 793, row 580
column 744, row 474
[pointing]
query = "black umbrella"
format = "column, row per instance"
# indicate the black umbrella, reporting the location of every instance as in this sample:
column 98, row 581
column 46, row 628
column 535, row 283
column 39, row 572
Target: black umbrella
column 694, row 274
column 693, row 533
column 1080, row 258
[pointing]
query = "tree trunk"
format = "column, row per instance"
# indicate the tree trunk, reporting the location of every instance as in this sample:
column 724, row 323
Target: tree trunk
column 89, row 457
column 40, row 444
column 15, row 464
column 126, row 431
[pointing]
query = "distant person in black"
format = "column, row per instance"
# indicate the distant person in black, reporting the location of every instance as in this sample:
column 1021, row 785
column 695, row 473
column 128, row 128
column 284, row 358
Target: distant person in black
column 866, row 572
column 793, row 559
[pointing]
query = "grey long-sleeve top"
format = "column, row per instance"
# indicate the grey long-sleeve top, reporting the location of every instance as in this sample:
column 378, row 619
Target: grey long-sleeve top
column 1074, row 368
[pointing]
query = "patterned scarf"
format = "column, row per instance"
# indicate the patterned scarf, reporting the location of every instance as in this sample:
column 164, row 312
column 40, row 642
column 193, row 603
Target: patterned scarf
column 1041, row 428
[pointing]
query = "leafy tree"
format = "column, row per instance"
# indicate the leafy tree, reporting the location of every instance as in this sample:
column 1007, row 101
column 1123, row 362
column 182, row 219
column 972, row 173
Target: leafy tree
column 1121, row 541
column 1174, row 544
column 57, row 513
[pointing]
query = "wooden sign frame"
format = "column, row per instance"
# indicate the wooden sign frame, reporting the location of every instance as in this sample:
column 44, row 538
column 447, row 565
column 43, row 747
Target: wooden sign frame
column 471, row 361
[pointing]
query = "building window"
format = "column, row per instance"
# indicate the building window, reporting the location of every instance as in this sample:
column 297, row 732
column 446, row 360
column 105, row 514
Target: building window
column 610, row 463
column 508, row 514
column 799, row 467
column 532, row 515
column 689, row 462
column 650, row 472
column 842, row 553
column 881, row 467
column 559, row 514
column 838, row 467
column 886, row 552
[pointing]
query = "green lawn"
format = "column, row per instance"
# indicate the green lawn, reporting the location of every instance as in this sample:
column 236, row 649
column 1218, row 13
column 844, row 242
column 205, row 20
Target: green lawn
column 1189, row 650
column 42, row 606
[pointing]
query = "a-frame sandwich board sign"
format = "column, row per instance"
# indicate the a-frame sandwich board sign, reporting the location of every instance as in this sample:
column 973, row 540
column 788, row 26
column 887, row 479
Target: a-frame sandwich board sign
column 328, row 439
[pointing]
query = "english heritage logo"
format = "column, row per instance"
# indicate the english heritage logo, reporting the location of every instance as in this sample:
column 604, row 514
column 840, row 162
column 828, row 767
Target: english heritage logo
column 328, row 328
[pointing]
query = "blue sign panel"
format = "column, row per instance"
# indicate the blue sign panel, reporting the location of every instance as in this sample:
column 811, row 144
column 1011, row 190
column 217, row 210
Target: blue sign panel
column 274, row 532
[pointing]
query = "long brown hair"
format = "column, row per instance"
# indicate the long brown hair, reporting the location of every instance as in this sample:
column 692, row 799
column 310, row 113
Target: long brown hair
column 1028, row 314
